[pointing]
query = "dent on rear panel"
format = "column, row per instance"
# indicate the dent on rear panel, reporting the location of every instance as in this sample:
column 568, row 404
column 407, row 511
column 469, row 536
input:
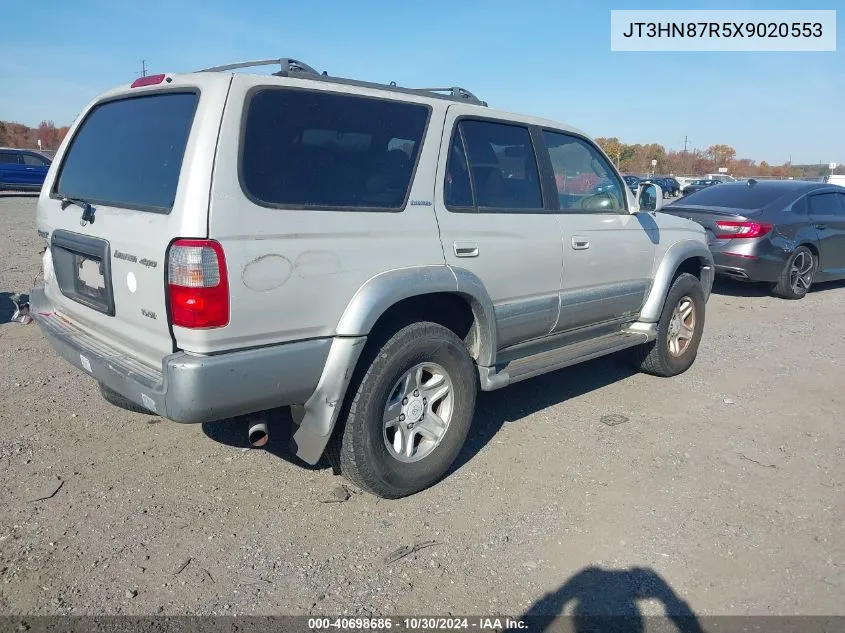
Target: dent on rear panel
column 270, row 271
column 266, row 272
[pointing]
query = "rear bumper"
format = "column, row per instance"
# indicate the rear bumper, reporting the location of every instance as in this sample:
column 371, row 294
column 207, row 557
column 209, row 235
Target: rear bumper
column 190, row 387
column 750, row 262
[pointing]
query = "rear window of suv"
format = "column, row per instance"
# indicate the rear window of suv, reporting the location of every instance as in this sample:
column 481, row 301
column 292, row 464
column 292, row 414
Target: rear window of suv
column 323, row 150
column 128, row 152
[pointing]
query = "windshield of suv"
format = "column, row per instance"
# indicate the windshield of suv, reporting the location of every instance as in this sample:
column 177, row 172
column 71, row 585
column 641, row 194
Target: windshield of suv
column 128, row 153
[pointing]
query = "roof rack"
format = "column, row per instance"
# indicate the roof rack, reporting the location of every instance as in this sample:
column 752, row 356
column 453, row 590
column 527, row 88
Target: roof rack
column 294, row 68
column 455, row 92
column 287, row 64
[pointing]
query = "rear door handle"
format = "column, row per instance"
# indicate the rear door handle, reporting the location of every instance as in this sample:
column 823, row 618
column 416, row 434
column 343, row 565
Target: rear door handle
column 580, row 243
column 465, row 249
column 821, row 227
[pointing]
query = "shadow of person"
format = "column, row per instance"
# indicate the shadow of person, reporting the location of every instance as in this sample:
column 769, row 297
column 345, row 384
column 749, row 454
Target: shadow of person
column 605, row 601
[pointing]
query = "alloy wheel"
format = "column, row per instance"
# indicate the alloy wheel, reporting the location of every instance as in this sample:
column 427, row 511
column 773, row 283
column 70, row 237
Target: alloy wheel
column 418, row 412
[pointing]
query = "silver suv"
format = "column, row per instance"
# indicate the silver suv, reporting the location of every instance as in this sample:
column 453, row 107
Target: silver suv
column 220, row 244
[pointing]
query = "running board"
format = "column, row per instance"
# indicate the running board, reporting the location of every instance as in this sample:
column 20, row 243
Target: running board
column 492, row 378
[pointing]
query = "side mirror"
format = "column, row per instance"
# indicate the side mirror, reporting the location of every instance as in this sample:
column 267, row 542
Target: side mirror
column 649, row 196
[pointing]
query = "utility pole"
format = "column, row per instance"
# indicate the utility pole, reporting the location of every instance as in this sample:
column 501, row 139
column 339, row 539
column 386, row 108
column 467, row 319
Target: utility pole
column 618, row 154
column 143, row 68
column 686, row 140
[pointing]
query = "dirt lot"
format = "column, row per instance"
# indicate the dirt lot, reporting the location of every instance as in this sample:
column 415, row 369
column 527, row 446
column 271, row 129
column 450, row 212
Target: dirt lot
column 727, row 484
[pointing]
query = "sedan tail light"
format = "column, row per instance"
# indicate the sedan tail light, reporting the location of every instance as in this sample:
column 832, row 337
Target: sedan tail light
column 728, row 230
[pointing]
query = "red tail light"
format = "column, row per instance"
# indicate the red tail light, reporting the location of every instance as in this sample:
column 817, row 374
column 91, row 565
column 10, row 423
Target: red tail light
column 728, row 230
column 149, row 80
column 197, row 285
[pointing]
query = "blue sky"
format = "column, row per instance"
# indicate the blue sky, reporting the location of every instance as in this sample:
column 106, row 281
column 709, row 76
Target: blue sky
column 549, row 58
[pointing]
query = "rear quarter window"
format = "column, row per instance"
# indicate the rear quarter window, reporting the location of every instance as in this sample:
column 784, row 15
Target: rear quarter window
column 128, row 152
column 799, row 207
column 324, row 150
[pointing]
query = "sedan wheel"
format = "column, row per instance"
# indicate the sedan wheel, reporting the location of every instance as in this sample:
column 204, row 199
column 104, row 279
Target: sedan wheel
column 801, row 273
column 797, row 275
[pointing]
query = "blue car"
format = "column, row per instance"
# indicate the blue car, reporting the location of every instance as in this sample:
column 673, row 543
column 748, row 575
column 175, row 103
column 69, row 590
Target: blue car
column 22, row 170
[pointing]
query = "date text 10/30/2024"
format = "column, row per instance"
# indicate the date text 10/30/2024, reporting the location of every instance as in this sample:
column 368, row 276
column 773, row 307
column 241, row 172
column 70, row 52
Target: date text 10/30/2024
column 417, row 624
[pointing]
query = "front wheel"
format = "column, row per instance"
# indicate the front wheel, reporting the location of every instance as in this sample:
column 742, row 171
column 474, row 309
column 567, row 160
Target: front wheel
column 678, row 330
column 797, row 275
column 410, row 413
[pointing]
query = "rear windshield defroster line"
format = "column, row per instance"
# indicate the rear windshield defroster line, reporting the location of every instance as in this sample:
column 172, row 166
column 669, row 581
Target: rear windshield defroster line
column 128, row 152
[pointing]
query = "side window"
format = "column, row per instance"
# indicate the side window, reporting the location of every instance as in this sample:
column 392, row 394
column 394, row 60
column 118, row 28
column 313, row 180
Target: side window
column 8, row 158
column 826, row 204
column 33, row 161
column 584, row 179
column 316, row 149
column 457, row 190
column 841, row 202
column 502, row 165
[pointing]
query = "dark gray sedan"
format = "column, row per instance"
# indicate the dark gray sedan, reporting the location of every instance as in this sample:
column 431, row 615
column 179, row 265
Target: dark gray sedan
column 785, row 232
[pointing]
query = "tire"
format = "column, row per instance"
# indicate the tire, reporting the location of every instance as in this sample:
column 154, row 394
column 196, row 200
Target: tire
column 657, row 357
column 359, row 450
column 789, row 287
column 114, row 398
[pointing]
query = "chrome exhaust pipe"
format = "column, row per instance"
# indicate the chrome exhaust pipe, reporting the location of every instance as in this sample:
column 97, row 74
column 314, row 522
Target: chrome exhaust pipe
column 258, row 435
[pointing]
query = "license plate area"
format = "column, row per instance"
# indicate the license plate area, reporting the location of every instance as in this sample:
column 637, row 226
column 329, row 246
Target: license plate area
column 83, row 269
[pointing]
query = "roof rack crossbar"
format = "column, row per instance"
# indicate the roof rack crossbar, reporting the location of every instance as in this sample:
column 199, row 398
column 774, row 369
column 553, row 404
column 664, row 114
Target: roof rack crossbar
column 287, row 65
column 456, row 92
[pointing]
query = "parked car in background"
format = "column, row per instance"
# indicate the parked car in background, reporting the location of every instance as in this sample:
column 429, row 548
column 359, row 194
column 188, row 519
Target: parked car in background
column 683, row 181
column 674, row 187
column 835, row 179
column 22, row 170
column 789, row 233
column 632, row 182
column 208, row 287
column 608, row 187
column 665, row 185
column 698, row 185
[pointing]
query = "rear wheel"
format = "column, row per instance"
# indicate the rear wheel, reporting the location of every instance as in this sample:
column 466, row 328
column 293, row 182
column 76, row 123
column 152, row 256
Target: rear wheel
column 797, row 275
column 678, row 330
column 112, row 397
column 410, row 413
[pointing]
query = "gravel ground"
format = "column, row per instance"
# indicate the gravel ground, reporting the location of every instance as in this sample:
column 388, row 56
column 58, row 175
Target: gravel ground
column 723, row 487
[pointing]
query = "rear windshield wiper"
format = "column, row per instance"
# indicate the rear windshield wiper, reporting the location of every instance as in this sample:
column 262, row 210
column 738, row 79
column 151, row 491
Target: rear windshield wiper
column 87, row 209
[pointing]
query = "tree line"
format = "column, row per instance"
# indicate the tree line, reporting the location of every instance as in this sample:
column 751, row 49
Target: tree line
column 23, row 136
column 636, row 159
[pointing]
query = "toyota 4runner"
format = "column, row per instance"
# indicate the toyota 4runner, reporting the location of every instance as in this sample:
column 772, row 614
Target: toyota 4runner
column 220, row 244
